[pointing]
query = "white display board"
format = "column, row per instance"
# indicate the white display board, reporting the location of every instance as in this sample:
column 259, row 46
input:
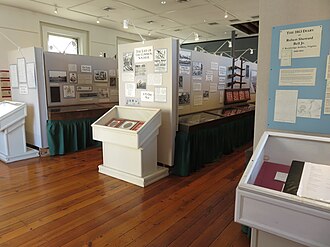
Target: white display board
column 148, row 78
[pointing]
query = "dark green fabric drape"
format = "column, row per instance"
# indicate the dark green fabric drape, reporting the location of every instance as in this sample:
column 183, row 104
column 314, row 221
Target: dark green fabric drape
column 207, row 144
column 66, row 136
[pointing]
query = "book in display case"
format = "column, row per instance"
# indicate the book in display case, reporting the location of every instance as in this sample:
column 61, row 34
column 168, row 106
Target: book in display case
column 129, row 143
column 267, row 198
column 12, row 133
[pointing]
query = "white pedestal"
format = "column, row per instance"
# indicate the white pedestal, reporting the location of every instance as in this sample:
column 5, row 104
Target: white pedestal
column 127, row 154
column 12, row 133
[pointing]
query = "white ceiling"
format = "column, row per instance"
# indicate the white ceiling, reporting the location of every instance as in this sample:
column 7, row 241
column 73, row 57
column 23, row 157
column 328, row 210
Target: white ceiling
column 176, row 19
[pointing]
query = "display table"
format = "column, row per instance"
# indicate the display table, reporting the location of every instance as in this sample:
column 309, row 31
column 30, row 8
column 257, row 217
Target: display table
column 129, row 143
column 69, row 128
column 283, row 219
column 203, row 137
column 12, row 133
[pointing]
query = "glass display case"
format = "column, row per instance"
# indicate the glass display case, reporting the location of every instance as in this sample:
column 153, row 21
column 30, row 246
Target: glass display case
column 129, row 142
column 261, row 202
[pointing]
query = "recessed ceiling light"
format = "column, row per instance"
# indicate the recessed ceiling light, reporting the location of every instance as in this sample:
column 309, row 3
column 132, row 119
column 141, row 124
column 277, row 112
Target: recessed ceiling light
column 163, row 2
column 55, row 9
column 98, row 21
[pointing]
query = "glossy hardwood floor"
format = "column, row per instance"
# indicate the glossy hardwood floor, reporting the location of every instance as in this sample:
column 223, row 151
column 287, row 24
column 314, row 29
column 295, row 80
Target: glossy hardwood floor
column 64, row 201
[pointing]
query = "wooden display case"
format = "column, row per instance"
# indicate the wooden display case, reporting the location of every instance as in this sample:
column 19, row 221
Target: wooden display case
column 130, row 154
column 288, row 216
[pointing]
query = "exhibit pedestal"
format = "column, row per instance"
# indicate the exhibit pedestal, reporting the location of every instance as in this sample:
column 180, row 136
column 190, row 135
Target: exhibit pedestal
column 130, row 154
column 12, row 133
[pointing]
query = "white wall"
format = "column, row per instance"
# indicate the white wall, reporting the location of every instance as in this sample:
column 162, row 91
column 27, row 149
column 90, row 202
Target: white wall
column 23, row 27
column 277, row 13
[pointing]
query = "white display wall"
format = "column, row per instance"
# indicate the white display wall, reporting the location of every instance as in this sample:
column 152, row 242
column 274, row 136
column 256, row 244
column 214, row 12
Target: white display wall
column 148, row 78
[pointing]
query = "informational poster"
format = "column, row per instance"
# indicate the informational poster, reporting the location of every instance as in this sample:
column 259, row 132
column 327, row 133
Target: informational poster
column 209, row 76
column 198, row 100
column 130, row 89
column 13, row 75
column 297, row 77
column 72, row 67
column 155, row 79
column 213, row 87
column 327, row 98
column 85, row 78
column 222, row 70
column 160, row 94
column 160, row 60
column 147, row 96
column 197, row 86
column 133, row 101
column 309, row 108
column 197, row 70
column 127, row 77
column 214, row 66
column 184, row 70
column 69, row 91
column 31, row 77
column 286, row 57
column 23, row 89
column 86, row 68
column 286, row 106
column 21, row 69
column 327, row 72
column 303, row 42
column 143, row 54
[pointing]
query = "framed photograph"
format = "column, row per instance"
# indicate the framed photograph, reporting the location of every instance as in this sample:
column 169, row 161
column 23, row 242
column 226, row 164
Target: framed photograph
column 235, row 96
column 100, row 76
column 115, row 122
column 56, row 76
column 113, row 82
column 128, row 124
column 69, row 91
column 73, row 78
column 229, row 97
column 241, row 95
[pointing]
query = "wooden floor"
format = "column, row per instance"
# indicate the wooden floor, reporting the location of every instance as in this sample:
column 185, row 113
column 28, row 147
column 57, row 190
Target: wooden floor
column 64, row 201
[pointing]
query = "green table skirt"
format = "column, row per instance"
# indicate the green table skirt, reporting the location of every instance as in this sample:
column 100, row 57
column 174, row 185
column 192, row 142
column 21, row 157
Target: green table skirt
column 65, row 136
column 207, row 144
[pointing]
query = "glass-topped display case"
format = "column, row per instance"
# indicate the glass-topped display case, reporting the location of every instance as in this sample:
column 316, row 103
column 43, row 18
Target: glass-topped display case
column 263, row 200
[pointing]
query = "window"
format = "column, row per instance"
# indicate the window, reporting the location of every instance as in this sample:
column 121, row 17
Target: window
column 64, row 40
column 62, row 44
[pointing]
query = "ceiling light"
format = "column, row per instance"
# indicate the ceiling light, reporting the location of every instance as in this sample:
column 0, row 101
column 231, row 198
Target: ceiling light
column 163, row 2
column 149, row 33
column 125, row 24
column 98, row 20
column 251, row 51
column 226, row 14
column 196, row 36
column 55, row 10
column 230, row 44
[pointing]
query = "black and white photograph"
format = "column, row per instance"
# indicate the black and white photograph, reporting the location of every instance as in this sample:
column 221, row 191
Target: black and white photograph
column 69, row 91
column 206, row 94
column 57, row 76
column 180, row 81
column 185, row 58
column 100, row 76
column 184, row 98
column 73, row 78
column 197, row 68
column 160, row 60
column 113, row 82
column 141, row 84
column 128, row 61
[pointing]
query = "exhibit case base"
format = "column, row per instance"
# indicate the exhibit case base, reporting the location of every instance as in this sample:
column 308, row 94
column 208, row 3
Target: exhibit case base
column 263, row 201
column 129, row 143
column 156, row 175
column 30, row 153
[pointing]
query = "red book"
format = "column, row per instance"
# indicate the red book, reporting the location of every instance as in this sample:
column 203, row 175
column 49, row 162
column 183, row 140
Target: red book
column 267, row 173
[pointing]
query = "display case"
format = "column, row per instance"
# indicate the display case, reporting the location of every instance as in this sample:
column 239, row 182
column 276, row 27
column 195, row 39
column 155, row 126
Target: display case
column 12, row 133
column 261, row 203
column 129, row 141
